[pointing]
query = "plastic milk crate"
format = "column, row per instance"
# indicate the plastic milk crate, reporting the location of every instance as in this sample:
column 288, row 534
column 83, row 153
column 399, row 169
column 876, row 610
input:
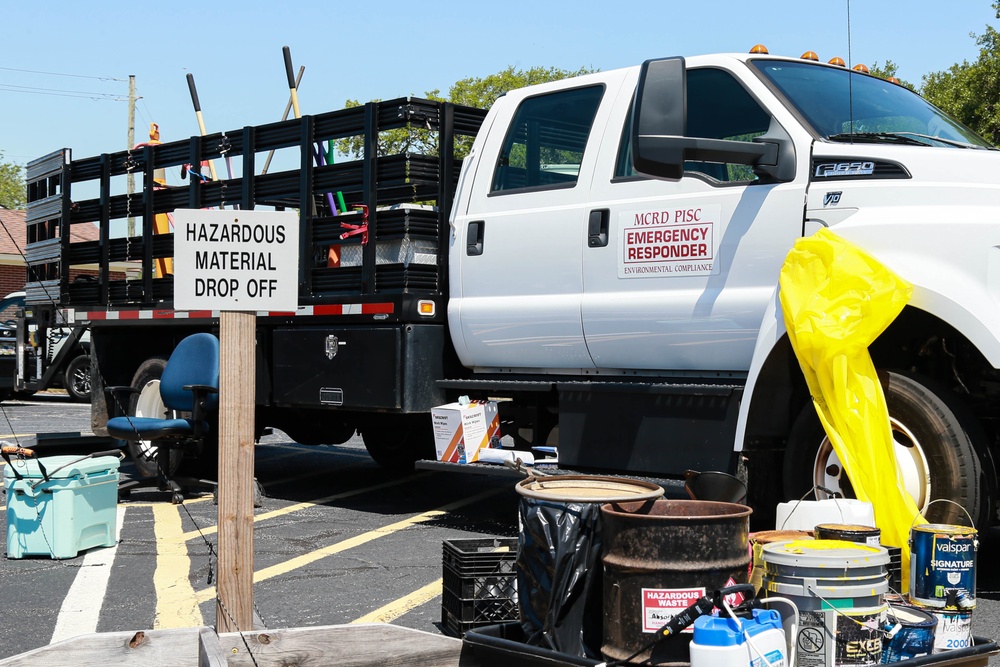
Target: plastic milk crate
column 73, row 510
column 480, row 583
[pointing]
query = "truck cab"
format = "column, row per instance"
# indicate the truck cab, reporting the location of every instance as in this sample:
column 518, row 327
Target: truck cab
column 619, row 236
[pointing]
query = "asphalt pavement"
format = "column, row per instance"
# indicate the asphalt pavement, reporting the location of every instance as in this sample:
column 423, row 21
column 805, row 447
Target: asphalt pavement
column 336, row 540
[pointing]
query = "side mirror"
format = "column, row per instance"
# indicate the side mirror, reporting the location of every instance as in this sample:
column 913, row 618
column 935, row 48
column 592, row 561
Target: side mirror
column 659, row 111
column 660, row 146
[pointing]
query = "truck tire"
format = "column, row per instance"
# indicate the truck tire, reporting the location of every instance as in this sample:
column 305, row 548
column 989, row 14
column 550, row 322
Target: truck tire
column 396, row 442
column 936, row 444
column 147, row 403
column 77, row 378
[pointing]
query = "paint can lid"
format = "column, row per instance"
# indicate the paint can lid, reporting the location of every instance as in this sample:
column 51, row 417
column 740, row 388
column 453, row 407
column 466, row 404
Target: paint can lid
column 587, row 489
column 825, row 553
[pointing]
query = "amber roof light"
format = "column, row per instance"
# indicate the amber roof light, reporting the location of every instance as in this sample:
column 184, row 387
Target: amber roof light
column 810, row 55
column 758, row 48
column 838, row 61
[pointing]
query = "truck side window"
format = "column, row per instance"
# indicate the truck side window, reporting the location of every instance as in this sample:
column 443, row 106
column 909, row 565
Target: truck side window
column 545, row 142
column 718, row 108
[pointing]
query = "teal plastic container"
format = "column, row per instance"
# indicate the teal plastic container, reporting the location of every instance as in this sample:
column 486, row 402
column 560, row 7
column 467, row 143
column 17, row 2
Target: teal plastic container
column 74, row 510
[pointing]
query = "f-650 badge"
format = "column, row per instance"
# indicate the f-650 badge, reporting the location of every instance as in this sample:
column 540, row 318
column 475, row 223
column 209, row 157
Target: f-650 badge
column 840, row 169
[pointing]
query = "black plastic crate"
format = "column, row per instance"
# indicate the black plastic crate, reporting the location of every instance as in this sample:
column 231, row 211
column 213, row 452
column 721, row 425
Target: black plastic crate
column 460, row 616
column 481, row 586
column 480, row 555
column 479, row 583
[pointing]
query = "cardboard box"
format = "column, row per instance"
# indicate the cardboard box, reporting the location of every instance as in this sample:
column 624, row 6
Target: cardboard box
column 461, row 431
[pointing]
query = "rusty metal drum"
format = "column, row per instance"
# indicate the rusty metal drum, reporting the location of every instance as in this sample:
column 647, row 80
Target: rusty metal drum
column 658, row 559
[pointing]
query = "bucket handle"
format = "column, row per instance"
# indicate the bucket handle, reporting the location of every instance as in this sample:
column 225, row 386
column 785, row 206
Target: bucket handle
column 833, row 496
column 972, row 524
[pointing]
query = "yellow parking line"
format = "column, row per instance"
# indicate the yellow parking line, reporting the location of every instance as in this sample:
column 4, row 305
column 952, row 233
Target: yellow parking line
column 176, row 606
column 390, row 612
column 207, row 594
column 264, row 516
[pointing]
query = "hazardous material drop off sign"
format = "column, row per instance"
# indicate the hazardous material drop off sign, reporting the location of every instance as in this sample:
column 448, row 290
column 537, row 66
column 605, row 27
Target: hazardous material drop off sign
column 236, row 260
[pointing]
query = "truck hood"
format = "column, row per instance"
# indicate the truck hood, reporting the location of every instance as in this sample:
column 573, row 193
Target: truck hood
column 936, row 225
column 845, row 178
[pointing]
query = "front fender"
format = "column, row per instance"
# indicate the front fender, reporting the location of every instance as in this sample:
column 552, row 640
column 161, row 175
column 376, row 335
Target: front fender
column 952, row 261
column 772, row 330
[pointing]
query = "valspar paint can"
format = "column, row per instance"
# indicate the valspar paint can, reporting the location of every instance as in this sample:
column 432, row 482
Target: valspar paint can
column 954, row 630
column 943, row 566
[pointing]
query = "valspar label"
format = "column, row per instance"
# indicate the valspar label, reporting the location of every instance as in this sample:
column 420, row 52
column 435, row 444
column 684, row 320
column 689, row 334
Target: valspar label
column 675, row 240
column 659, row 605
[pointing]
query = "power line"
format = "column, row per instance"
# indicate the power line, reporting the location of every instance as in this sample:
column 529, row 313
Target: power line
column 78, row 76
column 62, row 93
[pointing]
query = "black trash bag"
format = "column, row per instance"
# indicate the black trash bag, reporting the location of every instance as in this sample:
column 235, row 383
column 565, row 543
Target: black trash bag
column 559, row 576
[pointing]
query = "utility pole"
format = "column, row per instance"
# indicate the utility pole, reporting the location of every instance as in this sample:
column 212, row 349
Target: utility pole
column 130, row 183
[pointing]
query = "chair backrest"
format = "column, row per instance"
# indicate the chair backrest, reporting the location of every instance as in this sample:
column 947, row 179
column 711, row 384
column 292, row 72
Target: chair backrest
column 195, row 360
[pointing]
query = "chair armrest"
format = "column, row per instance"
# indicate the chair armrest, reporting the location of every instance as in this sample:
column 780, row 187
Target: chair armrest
column 199, row 389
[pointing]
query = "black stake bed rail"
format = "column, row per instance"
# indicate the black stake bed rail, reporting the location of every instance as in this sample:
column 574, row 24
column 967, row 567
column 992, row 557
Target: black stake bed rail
column 408, row 198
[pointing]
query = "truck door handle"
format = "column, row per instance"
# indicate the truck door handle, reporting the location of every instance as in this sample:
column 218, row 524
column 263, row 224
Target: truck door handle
column 474, row 240
column 597, row 229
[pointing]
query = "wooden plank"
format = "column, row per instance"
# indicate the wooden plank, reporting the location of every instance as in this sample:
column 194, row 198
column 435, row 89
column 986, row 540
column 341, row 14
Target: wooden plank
column 210, row 653
column 361, row 645
column 178, row 647
column 237, row 381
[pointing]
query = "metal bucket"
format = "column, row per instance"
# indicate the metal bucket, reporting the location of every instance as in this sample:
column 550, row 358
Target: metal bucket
column 558, row 560
column 839, row 588
column 658, row 559
column 757, row 542
column 943, row 566
column 954, row 630
column 913, row 638
column 849, row 532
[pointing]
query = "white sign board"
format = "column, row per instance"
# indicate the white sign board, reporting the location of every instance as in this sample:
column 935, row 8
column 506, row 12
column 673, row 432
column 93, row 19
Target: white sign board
column 236, row 260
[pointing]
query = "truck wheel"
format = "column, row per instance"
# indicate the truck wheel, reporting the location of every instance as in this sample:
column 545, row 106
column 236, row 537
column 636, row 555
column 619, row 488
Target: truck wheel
column 77, row 379
column 935, row 440
column 396, row 442
column 147, row 403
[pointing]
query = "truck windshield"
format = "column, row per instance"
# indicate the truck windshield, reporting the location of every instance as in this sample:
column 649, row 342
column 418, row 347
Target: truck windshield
column 846, row 106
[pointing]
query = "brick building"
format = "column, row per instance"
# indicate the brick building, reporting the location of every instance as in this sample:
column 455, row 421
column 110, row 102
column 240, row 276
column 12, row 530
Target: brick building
column 13, row 235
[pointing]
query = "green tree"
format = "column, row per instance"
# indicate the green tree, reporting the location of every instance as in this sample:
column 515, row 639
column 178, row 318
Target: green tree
column 12, row 191
column 888, row 71
column 970, row 92
column 479, row 92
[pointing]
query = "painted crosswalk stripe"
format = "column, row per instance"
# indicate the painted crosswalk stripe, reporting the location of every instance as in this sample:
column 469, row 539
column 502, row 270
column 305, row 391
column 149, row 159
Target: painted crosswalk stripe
column 81, row 608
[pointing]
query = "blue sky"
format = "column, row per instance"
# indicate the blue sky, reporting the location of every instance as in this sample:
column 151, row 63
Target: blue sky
column 386, row 49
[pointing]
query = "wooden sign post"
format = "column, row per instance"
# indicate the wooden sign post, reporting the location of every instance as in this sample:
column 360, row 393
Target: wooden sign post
column 237, row 262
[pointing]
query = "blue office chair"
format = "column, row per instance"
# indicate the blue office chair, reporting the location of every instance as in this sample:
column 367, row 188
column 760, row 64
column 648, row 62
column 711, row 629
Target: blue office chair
column 189, row 388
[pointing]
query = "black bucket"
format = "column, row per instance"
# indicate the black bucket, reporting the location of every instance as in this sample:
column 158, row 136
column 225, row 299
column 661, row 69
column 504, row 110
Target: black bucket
column 658, row 559
column 558, row 560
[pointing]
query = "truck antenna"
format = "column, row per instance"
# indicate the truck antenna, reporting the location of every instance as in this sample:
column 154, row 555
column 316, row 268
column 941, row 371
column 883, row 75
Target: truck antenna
column 850, row 67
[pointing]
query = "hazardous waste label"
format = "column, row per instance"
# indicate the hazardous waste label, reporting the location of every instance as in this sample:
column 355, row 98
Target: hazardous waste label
column 669, row 241
column 659, row 605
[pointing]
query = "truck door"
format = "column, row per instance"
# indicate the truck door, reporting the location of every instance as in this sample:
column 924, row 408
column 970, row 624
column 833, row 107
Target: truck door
column 522, row 238
column 678, row 274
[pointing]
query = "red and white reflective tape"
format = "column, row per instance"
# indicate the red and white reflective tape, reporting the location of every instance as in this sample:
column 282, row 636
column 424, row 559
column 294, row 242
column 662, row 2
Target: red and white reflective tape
column 73, row 316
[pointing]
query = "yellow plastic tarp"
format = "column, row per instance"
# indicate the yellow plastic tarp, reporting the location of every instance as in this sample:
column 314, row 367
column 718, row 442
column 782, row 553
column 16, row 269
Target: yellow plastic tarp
column 836, row 300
